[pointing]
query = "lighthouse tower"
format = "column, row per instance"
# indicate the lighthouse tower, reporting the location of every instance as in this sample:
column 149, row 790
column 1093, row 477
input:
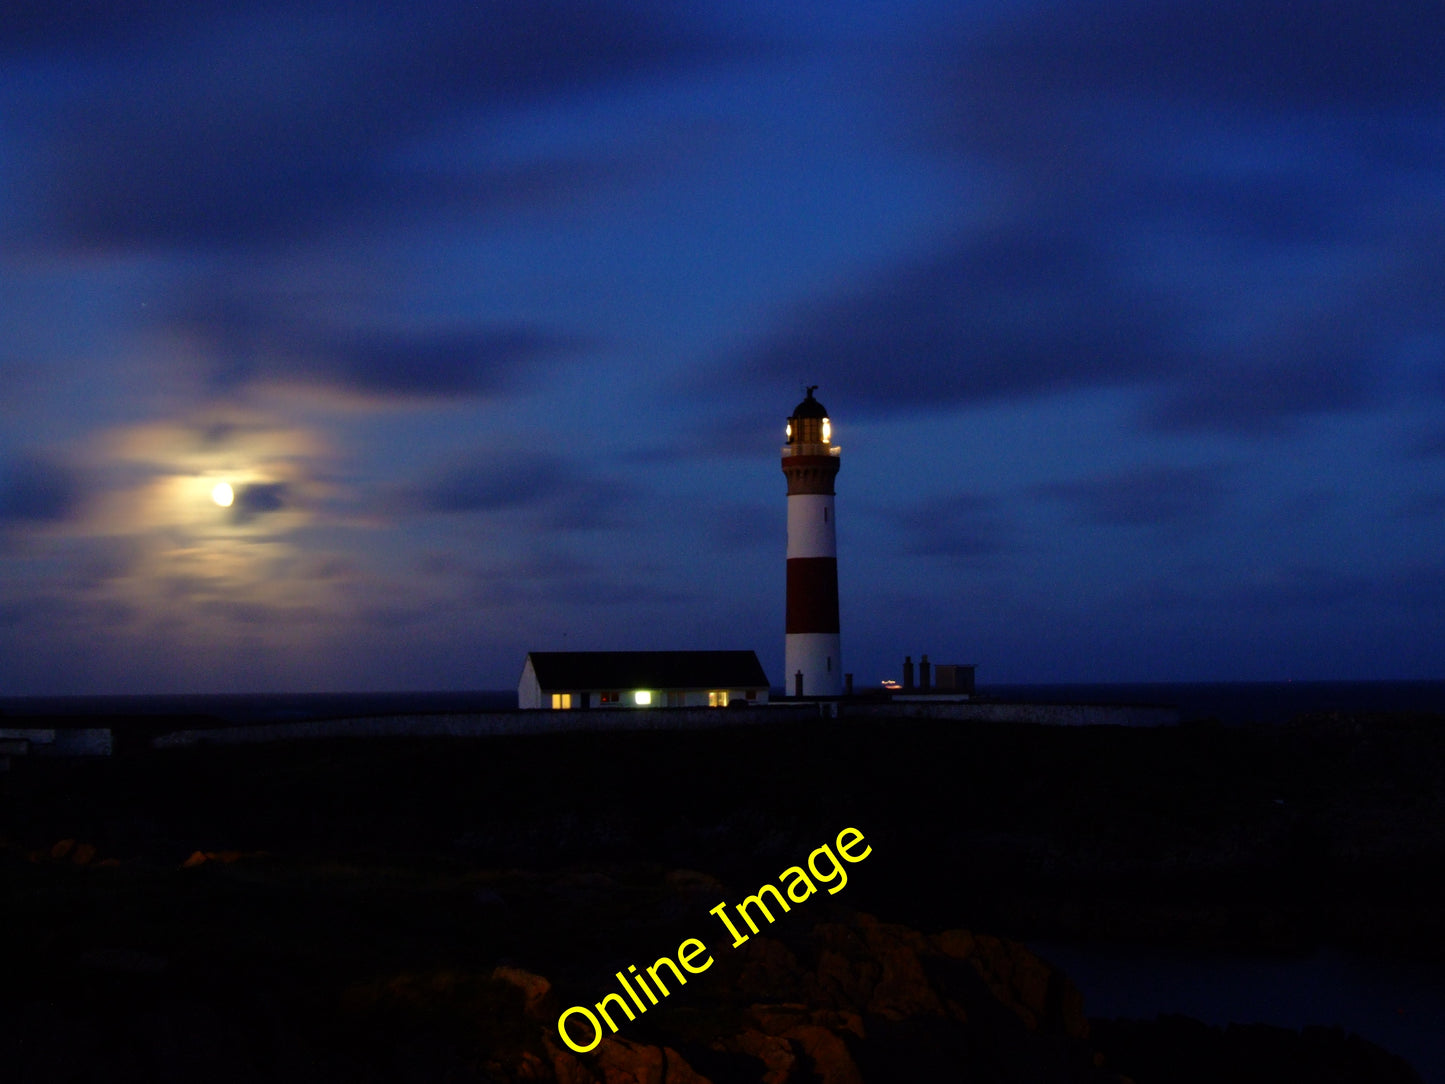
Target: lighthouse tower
column 812, row 662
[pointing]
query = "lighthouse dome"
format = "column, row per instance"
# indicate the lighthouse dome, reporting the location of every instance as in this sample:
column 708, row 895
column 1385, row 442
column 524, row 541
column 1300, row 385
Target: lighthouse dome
column 810, row 407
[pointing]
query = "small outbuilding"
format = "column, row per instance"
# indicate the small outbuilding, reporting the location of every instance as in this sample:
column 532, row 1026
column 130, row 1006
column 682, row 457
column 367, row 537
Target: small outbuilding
column 574, row 680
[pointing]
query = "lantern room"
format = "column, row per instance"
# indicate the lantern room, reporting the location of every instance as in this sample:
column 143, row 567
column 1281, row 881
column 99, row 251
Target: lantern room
column 809, row 423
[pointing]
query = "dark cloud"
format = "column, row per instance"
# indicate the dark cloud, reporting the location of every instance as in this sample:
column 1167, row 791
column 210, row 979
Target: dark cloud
column 438, row 364
column 493, row 481
column 965, row 528
column 1295, row 206
column 1009, row 313
column 1428, row 505
column 1218, row 203
column 1244, row 397
column 563, row 495
column 1430, row 445
column 37, row 26
column 37, row 490
column 268, row 122
column 258, row 499
column 257, row 340
column 1018, row 314
column 561, row 582
column 1320, row 588
column 1153, row 495
column 1283, row 53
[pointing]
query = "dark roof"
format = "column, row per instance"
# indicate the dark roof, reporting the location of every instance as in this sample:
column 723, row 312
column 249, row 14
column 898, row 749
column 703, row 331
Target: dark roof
column 809, row 408
column 648, row 669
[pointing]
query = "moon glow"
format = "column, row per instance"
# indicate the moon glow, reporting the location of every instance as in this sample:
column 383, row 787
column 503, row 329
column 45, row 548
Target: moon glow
column 223, row 494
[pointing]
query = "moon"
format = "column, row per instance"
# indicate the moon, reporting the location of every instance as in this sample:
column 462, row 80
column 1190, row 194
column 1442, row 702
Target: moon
column 223, row 494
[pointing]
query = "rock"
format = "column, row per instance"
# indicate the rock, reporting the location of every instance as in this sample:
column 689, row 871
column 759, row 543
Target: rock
column 531, row 1067
column 689, row 880
column 875, row 968
column 831, row 1062
column 534, row 988
column 679, row 1071
column 197, row 858
column 567, row 1067
column 903, row 990
column 771, row 971
column 1040, row 995
column 62, row 848
column 624, row 1062
column 774, row 1052
column 83, row 854
column 959, row 944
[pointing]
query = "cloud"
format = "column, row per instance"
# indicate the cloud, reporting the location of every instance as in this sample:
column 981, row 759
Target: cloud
column 37, row 490
column 1007, row 313
column 1430, row 445
column 492, row 481
column 1245, row 397
column 1405, row 588
column 1427, row 504
column 221, row 124
column 1146, row 496
column 566, row 496
column 1283, row 54
column 257, row 499
column 1230, row 207
column 1049, row 304
column 35, row 26
column 280, row 342
column 965, row 528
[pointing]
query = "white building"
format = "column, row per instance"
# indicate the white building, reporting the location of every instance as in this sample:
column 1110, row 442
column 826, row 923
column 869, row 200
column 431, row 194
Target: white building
column 574, row 680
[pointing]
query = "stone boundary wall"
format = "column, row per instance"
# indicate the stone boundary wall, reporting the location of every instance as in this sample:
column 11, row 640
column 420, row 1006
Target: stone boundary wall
column 488, row 724
column 1043, row 714
column 59, row 741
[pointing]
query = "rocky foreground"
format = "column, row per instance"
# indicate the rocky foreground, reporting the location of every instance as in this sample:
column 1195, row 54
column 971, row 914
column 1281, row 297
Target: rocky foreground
column 397, row 911
column 244, row 968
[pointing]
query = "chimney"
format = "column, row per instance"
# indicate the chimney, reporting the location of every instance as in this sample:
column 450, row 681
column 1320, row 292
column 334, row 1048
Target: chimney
column 798, row 683
column 923, row 674
column 908, row 673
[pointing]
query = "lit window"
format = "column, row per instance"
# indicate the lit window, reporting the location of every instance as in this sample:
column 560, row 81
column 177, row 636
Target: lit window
column 717, row 700
column 642, row 698
column 790, row 430
column 561, row 701
column 827, row 430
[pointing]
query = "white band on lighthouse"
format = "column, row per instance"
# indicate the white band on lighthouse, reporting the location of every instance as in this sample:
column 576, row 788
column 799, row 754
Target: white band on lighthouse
column 816, row 656
column 810, row 526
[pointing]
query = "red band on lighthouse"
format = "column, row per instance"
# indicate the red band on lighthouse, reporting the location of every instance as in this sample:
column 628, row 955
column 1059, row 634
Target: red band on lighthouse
column 813, row 594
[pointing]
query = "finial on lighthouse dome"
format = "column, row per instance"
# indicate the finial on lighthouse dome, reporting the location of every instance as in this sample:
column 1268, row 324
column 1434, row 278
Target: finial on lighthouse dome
column 809, row 424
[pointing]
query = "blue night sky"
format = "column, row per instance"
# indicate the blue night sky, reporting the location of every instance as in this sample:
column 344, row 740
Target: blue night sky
column 1130, row 316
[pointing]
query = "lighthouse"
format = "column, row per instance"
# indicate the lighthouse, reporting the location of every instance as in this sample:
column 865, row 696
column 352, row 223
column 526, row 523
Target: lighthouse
column 812, row 662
